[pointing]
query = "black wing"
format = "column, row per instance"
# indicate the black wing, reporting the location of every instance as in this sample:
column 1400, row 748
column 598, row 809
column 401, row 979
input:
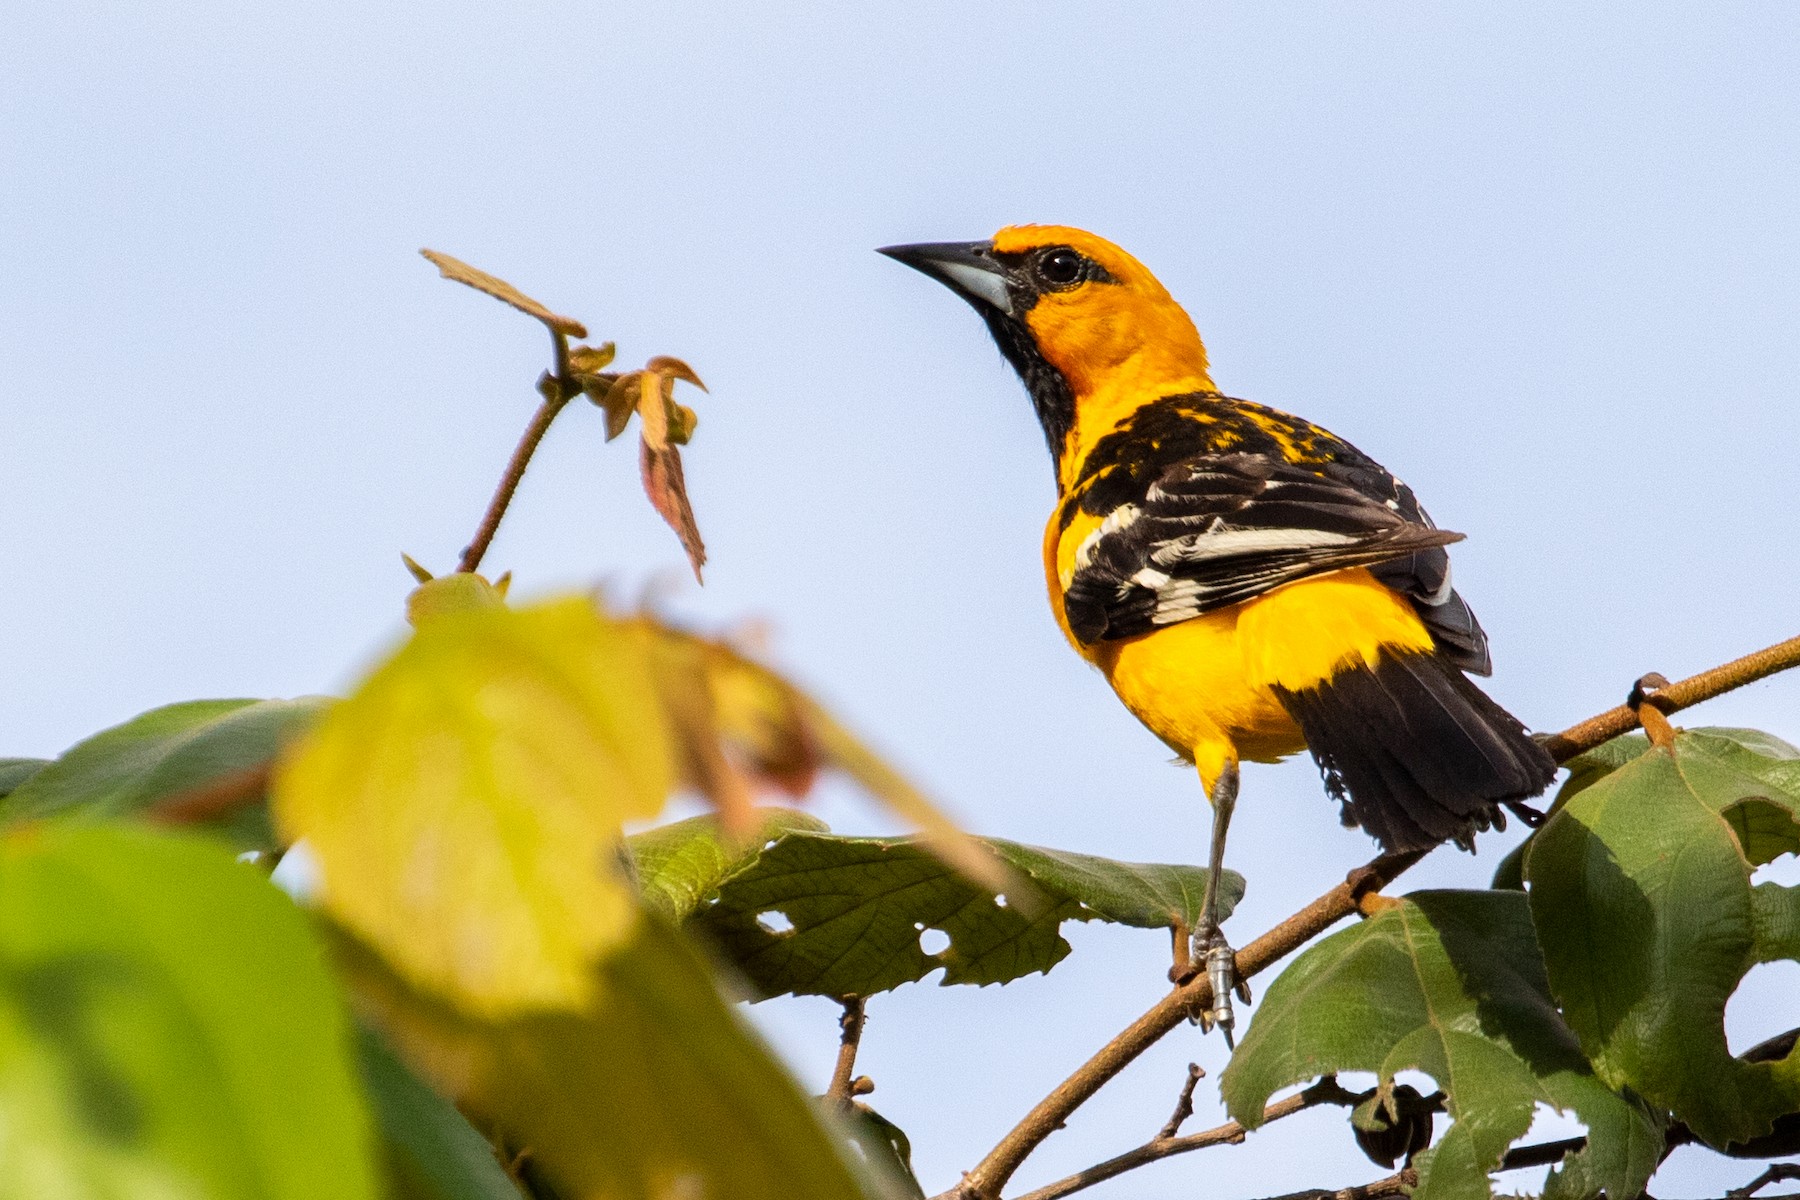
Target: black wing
column 1220, row 529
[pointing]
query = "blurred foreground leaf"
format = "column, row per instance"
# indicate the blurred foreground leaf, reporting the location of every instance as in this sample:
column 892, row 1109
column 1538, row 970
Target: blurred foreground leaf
column 14, row 771
column 655, row 1090
column 465, row 802
column 743, row 726
column 1451, row 984
column 433, row 1153
column 1641, row 890
column 166, row 752
column 166, row 1028
column 818, row 914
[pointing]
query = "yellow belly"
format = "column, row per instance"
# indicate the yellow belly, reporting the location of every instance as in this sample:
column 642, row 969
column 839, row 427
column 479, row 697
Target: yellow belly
column 1206, row 686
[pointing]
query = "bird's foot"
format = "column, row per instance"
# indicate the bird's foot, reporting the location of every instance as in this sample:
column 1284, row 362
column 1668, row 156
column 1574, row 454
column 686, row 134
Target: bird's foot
column 1216, row 957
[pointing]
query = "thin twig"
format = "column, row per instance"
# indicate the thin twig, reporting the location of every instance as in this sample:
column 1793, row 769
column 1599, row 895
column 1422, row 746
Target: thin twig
column 558, row 389
column 1184, row 1104
column 843, row 1081
column 1397, row 1184
column 1166, row 1145
column 1777, row 1173
column 990, row 1175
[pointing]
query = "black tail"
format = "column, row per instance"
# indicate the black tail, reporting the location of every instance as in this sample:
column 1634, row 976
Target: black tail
column 1417, row 753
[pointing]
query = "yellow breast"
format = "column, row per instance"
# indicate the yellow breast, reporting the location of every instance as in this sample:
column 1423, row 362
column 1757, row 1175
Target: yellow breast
column 1207, row 686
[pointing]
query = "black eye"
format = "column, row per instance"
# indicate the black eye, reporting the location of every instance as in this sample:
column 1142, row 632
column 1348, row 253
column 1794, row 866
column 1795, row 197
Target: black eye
column 1060, row 268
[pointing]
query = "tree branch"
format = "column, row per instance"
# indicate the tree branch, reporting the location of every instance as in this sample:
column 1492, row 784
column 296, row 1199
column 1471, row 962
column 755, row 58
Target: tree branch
column 557, row 388
column 1579, row 739
column 991, row 1174
column 843, row 1084
column 1165, row 1145
column 1397, row 1184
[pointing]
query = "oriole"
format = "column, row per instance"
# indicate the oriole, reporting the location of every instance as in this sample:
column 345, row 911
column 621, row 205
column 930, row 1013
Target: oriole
column 1250, row 584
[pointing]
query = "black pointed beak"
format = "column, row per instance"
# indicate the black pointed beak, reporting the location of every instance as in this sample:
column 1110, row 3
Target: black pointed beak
column 966, row 268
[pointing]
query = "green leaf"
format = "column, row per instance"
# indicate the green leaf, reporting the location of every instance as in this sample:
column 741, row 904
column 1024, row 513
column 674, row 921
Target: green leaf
column 657, row 1089
column 433, row 1153
column 166, row 751
column 887, row 1150
column 1641, row 890
column 858, row 907
column 166, row 1028
column 465, row 803
column 681, row 865
column 1451, row 984
column 14, row 771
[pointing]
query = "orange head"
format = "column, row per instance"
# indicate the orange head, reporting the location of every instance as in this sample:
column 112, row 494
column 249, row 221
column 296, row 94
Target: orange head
column 1075, row 315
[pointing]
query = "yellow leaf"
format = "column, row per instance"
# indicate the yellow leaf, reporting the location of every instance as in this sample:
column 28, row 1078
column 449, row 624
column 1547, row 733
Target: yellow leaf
column 506, row 293
column 452, row 593
column 464, row 804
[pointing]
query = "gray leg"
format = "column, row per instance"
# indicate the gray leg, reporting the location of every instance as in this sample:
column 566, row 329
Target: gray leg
column 1210, row 948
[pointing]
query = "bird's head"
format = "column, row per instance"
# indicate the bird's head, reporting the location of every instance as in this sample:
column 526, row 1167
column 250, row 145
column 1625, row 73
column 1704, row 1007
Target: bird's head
column 1076, row 316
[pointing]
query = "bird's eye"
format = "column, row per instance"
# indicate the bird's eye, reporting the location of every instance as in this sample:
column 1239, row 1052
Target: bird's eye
column 1060, row 268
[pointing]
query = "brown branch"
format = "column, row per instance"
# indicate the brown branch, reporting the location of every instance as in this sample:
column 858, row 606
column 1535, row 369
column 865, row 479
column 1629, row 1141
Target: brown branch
column 1578, row 739
column 1166, row 1145
column 990, row 1175
column 843, row 1082
column 1398, row 1184
column 1184, row 1104
column 558, row 388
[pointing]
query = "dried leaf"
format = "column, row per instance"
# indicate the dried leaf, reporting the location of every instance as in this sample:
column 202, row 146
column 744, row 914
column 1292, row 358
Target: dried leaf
column 653, row 397
column 682, row 423
column 672, row 368
column 616, row 395
column 506, row 293
column 591, row 360
column 667, row 489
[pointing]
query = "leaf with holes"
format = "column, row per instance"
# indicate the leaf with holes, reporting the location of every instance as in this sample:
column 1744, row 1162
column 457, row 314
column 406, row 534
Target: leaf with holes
column 165, row 752
column 1641, row 890
column 680, row 865
column 654, row 1089
column 818, row 914
column 1451, row 984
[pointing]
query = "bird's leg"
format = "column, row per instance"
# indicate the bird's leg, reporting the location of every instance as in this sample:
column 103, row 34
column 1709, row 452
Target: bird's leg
column 1211, row 950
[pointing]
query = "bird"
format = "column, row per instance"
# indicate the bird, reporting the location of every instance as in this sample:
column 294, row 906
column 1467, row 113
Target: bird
column 1249, row 583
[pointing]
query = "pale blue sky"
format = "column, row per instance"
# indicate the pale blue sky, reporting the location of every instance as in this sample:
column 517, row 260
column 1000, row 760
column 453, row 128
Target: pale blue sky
column 1541, row 260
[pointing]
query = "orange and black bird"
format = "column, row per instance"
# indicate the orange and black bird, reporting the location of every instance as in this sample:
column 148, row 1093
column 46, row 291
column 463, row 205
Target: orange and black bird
column 1249, row 583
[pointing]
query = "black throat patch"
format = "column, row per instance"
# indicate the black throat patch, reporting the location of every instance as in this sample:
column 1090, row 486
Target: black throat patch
column 1050, row 393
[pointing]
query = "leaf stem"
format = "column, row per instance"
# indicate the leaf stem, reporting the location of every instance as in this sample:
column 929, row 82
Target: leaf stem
column 991, row 1174
column 843, row 1082
column 558, row 389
